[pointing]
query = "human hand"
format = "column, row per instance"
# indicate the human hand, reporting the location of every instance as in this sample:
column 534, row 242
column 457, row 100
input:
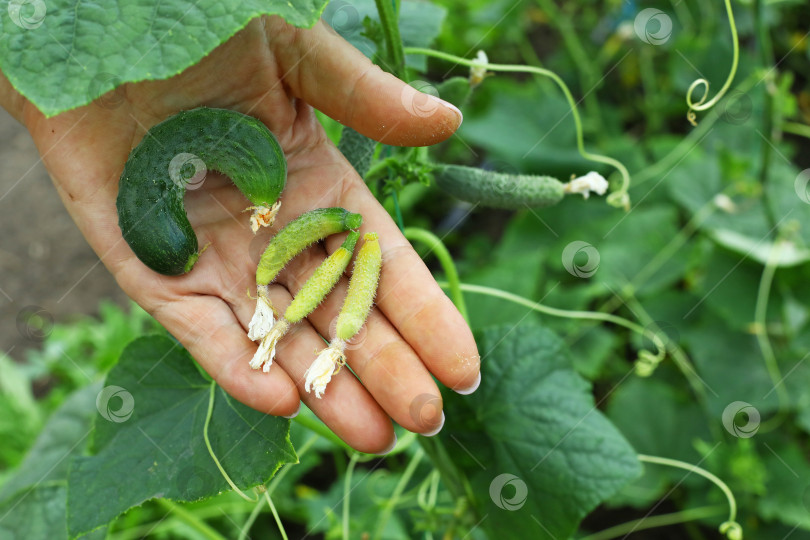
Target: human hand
column 274, row 72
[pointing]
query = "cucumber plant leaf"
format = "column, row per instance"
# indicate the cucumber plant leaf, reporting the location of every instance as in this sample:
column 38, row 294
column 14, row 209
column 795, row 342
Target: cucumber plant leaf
column 33, row 500
column 152, row 446
column 62, row 55
column 538, row 454
column 419, row 24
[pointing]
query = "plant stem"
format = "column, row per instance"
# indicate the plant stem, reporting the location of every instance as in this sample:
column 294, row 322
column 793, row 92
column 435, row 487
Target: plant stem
column 392, row 501
column 397, row 210
column 587, row 73
column 446, row 260
column 796, row 128
column 190, row 519
column 227, row 478
column 702, row 104
column 688, row 143
column 556, row 312
column 768, row 110
column 347, row 491
column 651, row 522
column 617, row 198
column 761, row 324
column 732, row 502
column 275, row 515
column 318, row 427
column 393, row 41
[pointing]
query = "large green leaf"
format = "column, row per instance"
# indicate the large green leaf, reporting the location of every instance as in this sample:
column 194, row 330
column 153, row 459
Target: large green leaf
column 538, row 453
column 63, row 54
column 33, row 500
column 153, row 445
column 419, row 24
column 658, row 420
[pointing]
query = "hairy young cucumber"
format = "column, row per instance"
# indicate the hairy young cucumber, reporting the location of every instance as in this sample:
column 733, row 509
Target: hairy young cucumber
column 150, row 206
column 498, row 190
column 300, row 233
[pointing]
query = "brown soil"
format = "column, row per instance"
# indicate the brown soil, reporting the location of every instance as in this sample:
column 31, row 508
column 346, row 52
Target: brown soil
column 48, row 266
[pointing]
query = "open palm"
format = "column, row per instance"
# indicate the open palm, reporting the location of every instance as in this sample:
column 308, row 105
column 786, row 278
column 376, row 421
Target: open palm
column 276, row 73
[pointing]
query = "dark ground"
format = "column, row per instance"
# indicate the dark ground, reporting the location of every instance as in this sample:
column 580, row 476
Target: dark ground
column 46, row 265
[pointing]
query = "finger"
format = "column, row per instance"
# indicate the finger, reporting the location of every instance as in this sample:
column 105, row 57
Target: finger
column 334, row 77
column 387, row 366
column 346, row 407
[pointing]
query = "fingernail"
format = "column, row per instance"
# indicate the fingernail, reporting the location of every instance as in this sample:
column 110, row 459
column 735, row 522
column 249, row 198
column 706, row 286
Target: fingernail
column 470, row 389
column 390, row 448
column 437, row 430
column 449, row 106
column 293, row 415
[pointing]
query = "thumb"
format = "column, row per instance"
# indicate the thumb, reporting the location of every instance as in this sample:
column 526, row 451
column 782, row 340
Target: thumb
column 331, row 75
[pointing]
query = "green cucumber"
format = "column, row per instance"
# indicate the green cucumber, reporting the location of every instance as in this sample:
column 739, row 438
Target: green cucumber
column 300, row 233
column 357, row 149
column 150, row 206
column 498, row 190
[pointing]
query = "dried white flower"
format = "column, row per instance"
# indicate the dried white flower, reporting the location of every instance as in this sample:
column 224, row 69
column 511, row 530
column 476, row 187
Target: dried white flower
column 329, row 362
column 591, row 182
column 262, row 216
column 264, row 316
column 266, row 352
column 477, row 74
column 724, row 203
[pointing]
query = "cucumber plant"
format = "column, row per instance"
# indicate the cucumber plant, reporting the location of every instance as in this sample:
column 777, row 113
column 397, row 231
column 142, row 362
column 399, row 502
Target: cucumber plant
column 151, row 213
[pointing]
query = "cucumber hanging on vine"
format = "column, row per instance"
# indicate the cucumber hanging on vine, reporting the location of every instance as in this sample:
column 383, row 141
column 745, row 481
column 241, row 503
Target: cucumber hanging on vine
column 512, row 191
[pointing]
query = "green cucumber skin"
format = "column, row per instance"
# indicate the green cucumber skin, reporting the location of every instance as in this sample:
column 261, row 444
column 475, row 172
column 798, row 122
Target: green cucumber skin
column 299, row 234
column 150, row 206
column 357, row 149
column 498, row 190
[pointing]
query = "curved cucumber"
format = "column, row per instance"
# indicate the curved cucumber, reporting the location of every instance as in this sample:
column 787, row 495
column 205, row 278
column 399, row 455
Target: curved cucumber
column 300, row 233
column 498, row 190
column 175, row 155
